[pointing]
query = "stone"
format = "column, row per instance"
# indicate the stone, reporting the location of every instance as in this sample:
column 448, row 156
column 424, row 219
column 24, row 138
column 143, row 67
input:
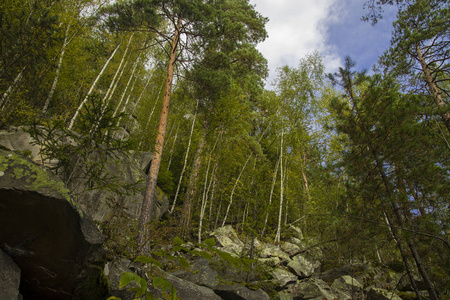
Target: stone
column 227, row 238
column 283, row 277
column 201, row 273
column 302, row 266
column 240, row 292
column 56, row 246
column 283, row 295
column 381, row 294
column 17, row 139
column 187, row 290
column 270, row 261
column 316, row 289
column 9, row 278
column 349, row 285
column 289, row 247
column 295, row 232
column 359, row 271
column 269, row 250
column 113, row 271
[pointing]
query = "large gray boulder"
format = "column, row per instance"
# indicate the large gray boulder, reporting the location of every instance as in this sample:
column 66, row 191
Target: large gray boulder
column 240, row 292
column 303, row 266
column 187, row 290
column 9, row 278
column 316, row 289
column 56, row 246
column 200, row 273
column 381, row 294
column 227, row 238
column 349, row 285
column 283, row 277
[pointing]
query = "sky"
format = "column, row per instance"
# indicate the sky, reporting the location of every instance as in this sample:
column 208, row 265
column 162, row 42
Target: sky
column 331, row 27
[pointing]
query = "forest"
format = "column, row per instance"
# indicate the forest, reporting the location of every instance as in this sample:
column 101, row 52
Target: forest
column 359, row 162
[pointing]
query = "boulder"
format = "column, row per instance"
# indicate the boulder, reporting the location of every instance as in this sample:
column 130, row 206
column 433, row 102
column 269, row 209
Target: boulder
column 283, row 277
column 113, row 271
column 283, row 295
column 359, row 271
column 302, row 266
column 187, row 290
column 240, row 292
column 270, row 250
column 17, row 139
column 348, row 285
column 289, row 247
column 227, row 238
column 56, row 246
column 316, row 289
column 381, row 294
column 201, row 273
column 9, row 278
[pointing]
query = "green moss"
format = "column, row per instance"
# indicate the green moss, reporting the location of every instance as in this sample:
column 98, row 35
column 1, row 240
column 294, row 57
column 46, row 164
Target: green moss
column 35, row 177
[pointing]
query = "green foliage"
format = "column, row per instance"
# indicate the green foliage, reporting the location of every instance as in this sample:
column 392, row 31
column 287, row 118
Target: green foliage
column 83, row 155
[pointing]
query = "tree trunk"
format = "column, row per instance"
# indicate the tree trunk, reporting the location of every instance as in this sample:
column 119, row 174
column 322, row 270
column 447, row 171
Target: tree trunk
column 433, row 88
column 206, row 188
column 150, row 116
column 6, row 94
column 234, row 188
column 185, row 160
column 278, row 235
column 91, row 89
column 58, row 70
column 191, row 191
column 147, row 204
column 274, row 181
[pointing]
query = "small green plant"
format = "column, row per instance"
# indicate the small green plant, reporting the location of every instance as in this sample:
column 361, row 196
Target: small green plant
column 79, row 156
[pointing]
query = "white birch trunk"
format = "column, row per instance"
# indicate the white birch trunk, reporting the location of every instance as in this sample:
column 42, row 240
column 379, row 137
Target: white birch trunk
column 91, row 89
column 58, row 71
column 278, row 235
column 126, row 87
column 274, row 181
column 151, row 114
column 206, row 190
column 234, row 188
column 205, row 201
column 6, row 94
column 185, row 161
column 115, row 79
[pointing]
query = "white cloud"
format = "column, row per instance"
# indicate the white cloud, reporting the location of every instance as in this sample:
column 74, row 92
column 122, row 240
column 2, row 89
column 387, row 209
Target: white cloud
column 296, row 28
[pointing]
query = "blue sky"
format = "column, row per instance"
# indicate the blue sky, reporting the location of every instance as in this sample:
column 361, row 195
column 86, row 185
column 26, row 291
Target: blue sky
column 331, row 27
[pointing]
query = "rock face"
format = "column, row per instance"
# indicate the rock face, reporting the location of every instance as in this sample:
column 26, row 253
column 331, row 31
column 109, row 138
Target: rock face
column 56, row 246
column 9, row 278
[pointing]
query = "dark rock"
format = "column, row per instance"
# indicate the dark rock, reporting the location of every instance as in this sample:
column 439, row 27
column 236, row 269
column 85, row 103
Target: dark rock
column 303, row 266
column 316, row 289
column 187, row 290
column 56, row 246
column 114, row 271
column 9, row 278
column 201, row 273
column 359, row 271
column 240, row 292
column 381, row 294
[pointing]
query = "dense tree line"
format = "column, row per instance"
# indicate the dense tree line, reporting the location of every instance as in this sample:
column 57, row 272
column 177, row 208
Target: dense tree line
column 360, row 163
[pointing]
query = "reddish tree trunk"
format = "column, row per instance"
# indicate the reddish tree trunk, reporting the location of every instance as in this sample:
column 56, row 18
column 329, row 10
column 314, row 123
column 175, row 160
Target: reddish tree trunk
column 147, row 204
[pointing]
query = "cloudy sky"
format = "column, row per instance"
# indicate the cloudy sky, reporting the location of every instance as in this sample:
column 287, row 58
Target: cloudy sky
column 331, row 27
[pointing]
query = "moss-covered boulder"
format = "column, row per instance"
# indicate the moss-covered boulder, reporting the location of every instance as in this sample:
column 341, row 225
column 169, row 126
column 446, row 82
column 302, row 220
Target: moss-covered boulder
column 56, row 246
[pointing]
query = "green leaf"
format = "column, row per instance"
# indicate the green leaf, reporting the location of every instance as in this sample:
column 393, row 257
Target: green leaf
column 206, row 255
column 183, row 262
column 178, row 241
column 210, row 242
column 127, row 278
column 113, row 298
